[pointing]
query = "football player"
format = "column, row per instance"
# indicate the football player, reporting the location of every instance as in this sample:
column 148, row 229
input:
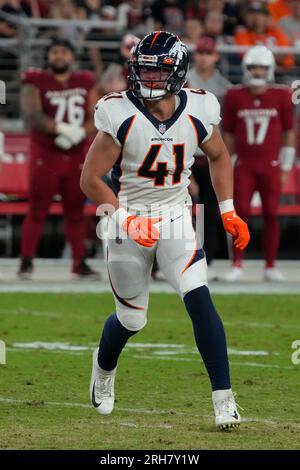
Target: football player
column 148, row 135
column 258, row 126
column 57, row 105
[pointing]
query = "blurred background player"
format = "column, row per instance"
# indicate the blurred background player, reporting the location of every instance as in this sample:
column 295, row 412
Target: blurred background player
column 57, row 106
column 205, row 75
column 1, row 158
column 258, row 127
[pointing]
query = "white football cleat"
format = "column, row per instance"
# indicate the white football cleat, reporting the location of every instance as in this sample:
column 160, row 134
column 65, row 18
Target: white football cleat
column 102, row 393
column 234, row 275
column 227, row 415
column 273, row 275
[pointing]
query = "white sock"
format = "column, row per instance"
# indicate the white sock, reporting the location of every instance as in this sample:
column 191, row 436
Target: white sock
column 219, row 395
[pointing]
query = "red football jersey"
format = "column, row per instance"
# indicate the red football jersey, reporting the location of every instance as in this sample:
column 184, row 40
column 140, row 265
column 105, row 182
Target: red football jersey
column 67, row 102
column 257, row 122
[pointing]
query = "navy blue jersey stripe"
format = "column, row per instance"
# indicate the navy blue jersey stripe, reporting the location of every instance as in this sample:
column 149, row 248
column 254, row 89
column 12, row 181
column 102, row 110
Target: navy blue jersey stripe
column 199, row 128
column 124, row 128
column 116, row 174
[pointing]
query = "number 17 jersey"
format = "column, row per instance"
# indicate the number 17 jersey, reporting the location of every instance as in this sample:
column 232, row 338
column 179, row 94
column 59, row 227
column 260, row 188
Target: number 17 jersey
column 156, row 156
column 257, row 123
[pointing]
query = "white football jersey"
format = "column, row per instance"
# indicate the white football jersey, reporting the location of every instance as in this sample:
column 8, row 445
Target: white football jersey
column 156, row 156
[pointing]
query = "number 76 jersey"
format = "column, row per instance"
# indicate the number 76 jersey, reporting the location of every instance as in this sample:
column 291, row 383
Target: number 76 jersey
column 155, row 156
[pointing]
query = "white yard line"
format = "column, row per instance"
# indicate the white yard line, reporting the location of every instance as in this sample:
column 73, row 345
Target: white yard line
column 237, row 324
column 270, row 422
column 185, row 359
column 157, row 349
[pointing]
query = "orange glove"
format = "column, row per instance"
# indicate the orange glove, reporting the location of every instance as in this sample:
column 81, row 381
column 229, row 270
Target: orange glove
column 142, row 230
column 234, row 225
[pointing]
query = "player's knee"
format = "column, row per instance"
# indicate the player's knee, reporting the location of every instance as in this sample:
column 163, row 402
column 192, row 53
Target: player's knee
column 195, row 276
column 133, row 320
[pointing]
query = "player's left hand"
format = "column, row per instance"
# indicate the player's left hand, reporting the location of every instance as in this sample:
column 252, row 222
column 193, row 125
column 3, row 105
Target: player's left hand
column 234, row 225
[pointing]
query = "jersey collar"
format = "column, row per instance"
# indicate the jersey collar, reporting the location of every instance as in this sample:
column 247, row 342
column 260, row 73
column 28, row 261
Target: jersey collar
column 156, row 122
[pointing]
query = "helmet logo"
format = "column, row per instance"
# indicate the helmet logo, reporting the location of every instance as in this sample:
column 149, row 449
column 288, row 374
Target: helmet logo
column 162, row 128
column 168, row 61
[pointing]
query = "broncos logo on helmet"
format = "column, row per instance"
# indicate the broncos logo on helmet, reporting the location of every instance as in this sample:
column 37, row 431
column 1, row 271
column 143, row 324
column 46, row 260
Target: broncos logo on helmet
column 166, row 56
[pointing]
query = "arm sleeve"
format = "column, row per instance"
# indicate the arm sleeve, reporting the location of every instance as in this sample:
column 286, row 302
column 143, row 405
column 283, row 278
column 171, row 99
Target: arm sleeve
column 287, row 112
column 103, row 121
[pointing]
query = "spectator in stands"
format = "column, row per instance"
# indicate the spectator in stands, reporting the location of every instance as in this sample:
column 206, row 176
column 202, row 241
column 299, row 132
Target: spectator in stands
column 291, row 24
column 193, row 29
column 128, row 42
column 112, row 80
column 132, row 16
column 230, row 12
column 92, row 10
column 9, row 29
column 115, row 76
column 278, row 9
column 261, row 31
column 205, row 75
column 66, row 10
column 214, row 26
column 168, row 15
column 228, row 9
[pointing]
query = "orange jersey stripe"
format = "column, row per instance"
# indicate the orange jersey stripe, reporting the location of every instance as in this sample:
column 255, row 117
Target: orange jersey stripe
column 155, row 37
column 192, row 259
column 129, row 128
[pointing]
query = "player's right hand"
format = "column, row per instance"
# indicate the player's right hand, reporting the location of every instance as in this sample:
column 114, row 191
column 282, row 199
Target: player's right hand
column 234, row 225
column 69, row 135
column 142, row 229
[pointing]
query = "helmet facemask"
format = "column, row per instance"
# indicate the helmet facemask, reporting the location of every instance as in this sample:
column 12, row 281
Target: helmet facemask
column 254, row 80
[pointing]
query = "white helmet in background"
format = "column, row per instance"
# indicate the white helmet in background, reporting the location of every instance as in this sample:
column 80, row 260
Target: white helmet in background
column 261, row 56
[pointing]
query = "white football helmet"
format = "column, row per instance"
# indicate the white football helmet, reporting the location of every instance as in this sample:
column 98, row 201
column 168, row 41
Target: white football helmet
column 262, row 56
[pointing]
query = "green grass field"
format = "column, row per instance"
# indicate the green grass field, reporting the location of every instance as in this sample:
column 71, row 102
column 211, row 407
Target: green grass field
column 163, row 393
